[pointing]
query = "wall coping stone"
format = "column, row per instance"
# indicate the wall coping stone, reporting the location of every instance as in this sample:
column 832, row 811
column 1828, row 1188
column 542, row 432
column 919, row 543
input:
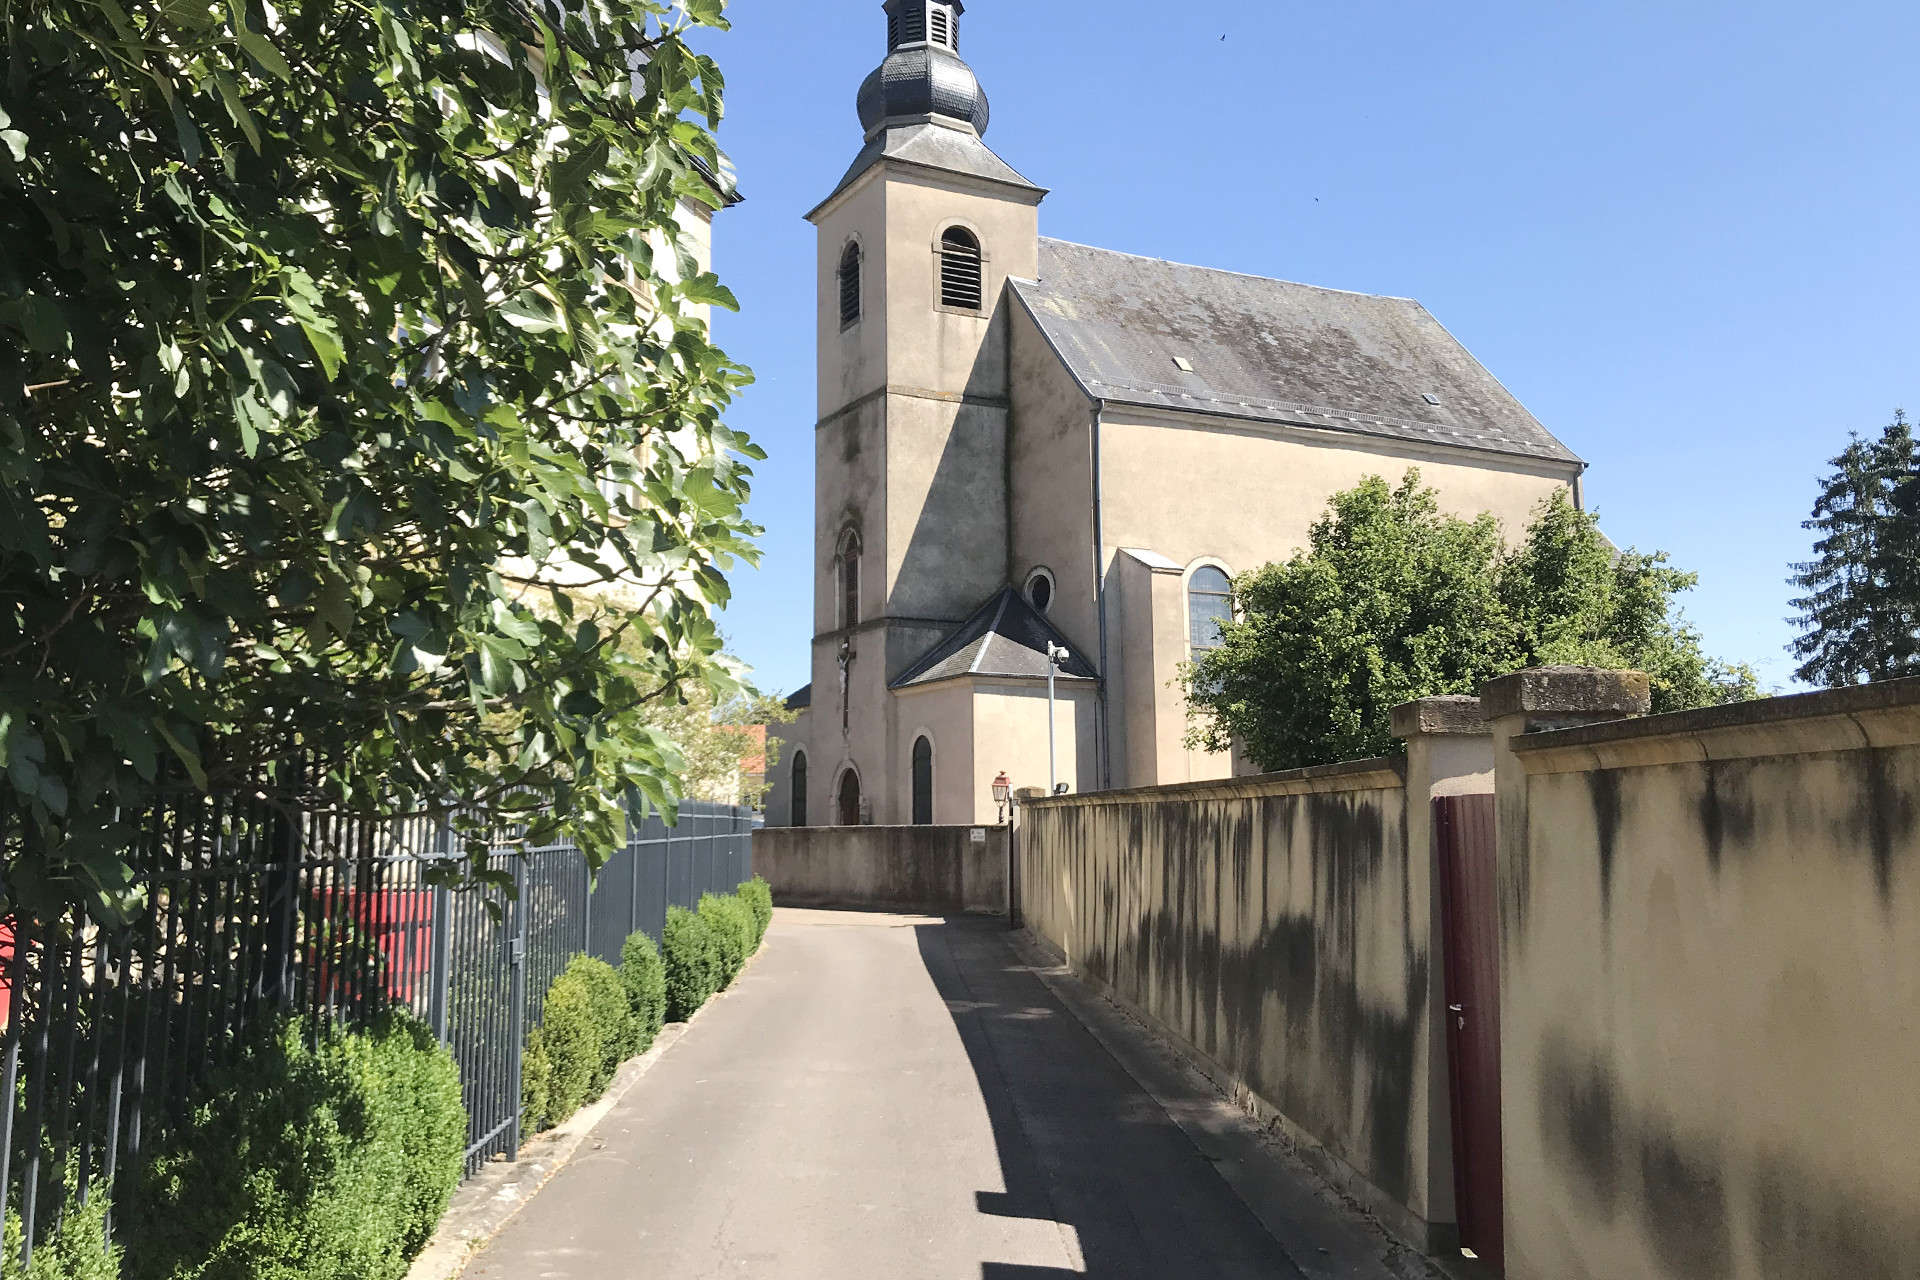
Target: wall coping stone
column 1586, row 691
column 1384, row 773
column 874, row 826
column 1456, row 715
column 1859, row 718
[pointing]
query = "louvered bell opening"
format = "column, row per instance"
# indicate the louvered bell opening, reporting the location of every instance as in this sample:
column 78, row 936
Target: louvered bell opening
column 850, row 286
column 960, row 276
column 943, row 26
column 909, row 26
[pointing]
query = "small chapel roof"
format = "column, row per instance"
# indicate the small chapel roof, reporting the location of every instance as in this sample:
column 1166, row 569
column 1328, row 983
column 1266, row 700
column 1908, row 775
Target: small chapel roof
column 1006, row 637
column 1146, row 332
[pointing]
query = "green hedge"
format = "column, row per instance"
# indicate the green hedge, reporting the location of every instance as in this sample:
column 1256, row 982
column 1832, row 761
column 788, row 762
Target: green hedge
column 536, row 1084
column 612, row 1019
column 732, row 923
column 646, row 982
column 332, row 1161
column 77, row 1250
column 758, row 895
column 570, row 1036
column 691, row 958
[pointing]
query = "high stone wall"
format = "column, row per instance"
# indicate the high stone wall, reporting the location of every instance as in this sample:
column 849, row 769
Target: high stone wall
column 1278, row 928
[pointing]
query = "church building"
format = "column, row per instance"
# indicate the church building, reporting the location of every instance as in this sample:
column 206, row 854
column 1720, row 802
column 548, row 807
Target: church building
column 1033, row 455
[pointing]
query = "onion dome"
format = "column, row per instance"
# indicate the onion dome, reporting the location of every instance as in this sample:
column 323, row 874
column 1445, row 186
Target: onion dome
column 923, row 74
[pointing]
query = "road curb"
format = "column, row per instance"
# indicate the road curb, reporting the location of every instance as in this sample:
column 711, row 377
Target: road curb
column 488, row 1201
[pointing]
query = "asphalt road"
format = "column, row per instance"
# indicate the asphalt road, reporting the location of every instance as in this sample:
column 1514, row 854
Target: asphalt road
column 889, row 1097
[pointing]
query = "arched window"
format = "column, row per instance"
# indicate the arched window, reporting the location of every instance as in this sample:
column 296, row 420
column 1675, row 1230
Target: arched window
column 960, row 270
column 846, row 573
column 849, row 799
column 923, row 781
column 799, row 789
column 942, row 19
column 1209, row 607
column 850, row 285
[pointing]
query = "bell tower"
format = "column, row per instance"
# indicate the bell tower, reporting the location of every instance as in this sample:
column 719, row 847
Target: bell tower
column 916, row 243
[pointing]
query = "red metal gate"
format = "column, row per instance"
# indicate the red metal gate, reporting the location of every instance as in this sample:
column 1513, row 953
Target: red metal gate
column 1463, row 830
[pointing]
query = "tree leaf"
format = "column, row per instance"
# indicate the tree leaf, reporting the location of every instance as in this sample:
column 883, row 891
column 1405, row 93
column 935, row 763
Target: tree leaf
column 262, row 50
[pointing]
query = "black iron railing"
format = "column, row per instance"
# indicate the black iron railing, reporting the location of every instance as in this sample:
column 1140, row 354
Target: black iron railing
column 251, row 912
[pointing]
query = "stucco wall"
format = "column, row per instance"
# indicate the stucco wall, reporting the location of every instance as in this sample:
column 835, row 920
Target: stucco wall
column 1186, row 488
column 937, row 869
column 1277, row 926
column 1711, row 994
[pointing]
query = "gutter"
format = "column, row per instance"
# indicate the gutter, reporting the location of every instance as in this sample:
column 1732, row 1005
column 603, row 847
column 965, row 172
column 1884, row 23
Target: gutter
column 1104, row 717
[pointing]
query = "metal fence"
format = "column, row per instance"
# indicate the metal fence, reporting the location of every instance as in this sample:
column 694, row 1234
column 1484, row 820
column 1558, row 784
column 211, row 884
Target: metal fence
column 107, row 1032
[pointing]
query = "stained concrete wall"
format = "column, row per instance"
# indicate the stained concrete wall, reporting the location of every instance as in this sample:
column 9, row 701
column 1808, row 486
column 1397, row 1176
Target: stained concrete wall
column 945, row 870
column 1279, row 929
column 1711, row 992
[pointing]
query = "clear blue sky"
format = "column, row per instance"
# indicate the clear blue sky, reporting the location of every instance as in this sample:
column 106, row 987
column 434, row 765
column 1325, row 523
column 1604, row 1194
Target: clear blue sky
column 1685, row 234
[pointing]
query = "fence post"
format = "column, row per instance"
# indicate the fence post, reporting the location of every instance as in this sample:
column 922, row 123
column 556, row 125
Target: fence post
column 633, row 863
column 586, row 911
column 283, row 910
column 442, row 979
column 517, row 999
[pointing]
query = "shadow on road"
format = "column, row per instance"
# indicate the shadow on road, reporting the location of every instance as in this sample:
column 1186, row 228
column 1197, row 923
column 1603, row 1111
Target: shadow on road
column 1079, row 1143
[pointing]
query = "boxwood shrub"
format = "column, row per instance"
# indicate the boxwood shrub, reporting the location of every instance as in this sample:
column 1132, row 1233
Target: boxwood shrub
column 691, row 958
column 732, row 925
column 612, row 1018
column 330, row 1160
column 646, row 982
column 570, row 1034
column 758, row 895
column 536, row 1084
column 77, row 1250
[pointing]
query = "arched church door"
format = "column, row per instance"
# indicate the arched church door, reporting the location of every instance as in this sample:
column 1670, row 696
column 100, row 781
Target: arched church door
column 849, row 799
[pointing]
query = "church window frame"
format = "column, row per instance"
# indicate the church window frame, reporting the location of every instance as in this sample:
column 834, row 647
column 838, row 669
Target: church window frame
column 1209, row 591
column 797, row 802
column 960, row 270
column 846, row 579
column 850, row 277
column 921, row 768
column 1041, row 590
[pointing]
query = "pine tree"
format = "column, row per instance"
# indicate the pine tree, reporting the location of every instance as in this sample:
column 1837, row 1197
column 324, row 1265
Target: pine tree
column 1860, row 601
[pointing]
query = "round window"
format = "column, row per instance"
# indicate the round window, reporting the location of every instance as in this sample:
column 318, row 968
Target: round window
column 1040, row 589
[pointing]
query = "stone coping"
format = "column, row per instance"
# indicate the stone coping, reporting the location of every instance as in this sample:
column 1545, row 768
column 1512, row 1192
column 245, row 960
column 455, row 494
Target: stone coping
column 1384, row 773
column 1586, row 692
column 1852, row 719
column 1455, row 716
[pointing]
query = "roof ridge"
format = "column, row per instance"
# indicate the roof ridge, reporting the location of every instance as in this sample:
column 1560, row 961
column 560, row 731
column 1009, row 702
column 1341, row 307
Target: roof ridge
column 1225, row 271
column 993, row 630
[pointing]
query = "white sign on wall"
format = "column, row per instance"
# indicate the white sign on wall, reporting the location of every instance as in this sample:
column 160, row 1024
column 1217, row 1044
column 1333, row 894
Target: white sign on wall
column 979, row 835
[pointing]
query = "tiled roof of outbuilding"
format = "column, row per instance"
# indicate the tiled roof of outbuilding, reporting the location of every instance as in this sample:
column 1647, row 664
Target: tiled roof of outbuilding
column 1005, row 637
column 1271, row 351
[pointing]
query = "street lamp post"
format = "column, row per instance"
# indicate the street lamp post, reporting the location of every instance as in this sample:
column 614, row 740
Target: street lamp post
column 1002, row 793
column 1056, row 654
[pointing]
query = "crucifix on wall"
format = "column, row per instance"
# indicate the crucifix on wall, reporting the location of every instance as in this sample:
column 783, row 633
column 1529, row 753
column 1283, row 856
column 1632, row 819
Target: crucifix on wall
column 846, row 684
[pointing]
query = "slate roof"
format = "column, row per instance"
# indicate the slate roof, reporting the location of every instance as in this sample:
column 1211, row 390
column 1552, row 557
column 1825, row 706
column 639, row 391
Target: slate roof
column 800, row 699
column 1005, row 637
column 932, row 146
column 1271, row 351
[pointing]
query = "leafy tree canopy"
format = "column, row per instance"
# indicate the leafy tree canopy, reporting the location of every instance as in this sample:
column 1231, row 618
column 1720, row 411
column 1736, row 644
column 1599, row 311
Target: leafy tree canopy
column 1859, row 608
column 1393, row 600
column 331, row 337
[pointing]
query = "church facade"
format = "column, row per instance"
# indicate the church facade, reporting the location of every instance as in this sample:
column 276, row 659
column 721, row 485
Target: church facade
column 1037, row 457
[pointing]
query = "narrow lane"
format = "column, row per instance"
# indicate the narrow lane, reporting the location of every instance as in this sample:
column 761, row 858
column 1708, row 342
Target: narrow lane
column 891, row 1097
